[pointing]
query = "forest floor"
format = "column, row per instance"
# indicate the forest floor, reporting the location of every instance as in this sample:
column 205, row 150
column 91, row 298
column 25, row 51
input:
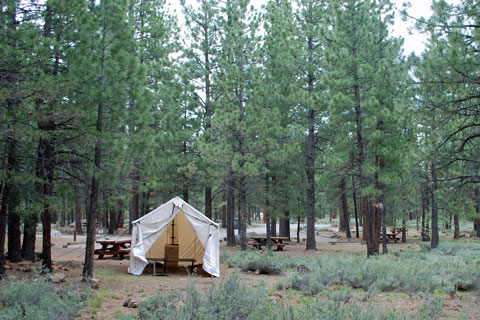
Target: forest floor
column 117, row 285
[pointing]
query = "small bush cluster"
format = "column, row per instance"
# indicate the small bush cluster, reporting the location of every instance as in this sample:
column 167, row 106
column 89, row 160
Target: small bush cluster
column 266, row 263
column 231, row 299
column 450, row 267
column 39, row 300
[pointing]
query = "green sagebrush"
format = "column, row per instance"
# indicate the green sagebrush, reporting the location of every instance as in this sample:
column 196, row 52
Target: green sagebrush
column 39, row 300
column 450, row 267
column 232, row 299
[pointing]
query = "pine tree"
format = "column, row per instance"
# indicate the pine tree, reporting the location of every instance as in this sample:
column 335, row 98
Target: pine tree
column 312, row 20
column 452, row 64
column 203, row 31
column 235, row 80
column 363, row 79
column 278, row 140
column 107, row 49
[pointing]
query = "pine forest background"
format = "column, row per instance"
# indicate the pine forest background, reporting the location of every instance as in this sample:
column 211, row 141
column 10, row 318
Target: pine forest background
column 300, row 110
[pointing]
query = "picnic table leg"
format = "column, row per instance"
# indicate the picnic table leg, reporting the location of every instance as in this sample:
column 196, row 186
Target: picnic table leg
column 114, row 249
column 164, row 266
column 104, row 248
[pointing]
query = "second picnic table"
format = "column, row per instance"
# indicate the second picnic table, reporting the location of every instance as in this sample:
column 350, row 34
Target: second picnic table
column 391, row 236
column 259, row 241
column 120, row 247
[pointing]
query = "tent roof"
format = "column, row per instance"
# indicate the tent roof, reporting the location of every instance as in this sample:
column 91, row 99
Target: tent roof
column 176, row 202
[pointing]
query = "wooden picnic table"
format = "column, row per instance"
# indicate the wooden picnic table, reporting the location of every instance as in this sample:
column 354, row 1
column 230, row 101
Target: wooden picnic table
column 120, row 247
column 259, row 241
column 391, row 236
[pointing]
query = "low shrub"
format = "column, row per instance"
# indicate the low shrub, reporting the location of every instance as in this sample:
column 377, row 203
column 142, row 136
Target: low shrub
column 39, row 300
column 231, row 299
column 451, row 267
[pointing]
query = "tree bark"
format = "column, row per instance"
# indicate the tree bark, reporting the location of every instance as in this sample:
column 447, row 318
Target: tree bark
column 354, row 196
column 267, row 211
column 344, row 206
column 434, row 240
column 456, row 223
column 134, row 203
column 242, row 212
column 112, row 226
column 477, row 206
column 230, row 209
column 3, row 226
column 384, row 227
column 311, row 244
column 208, row 202
column 298, row 229
column 14, row 235
column 273, row 222
column 310, row 162
column 208, row 106
column 78, row 213
column 285, row 225
column 29, row 236
column 424, row 208
column 224, row 211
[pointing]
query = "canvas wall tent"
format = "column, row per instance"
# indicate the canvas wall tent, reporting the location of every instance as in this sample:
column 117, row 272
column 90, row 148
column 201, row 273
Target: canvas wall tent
column 196, row 235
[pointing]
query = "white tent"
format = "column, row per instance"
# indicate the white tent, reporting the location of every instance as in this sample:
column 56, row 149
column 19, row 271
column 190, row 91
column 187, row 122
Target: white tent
column 195, row 235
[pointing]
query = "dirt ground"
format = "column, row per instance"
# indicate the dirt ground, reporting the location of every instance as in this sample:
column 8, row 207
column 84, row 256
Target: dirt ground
column 117, row 285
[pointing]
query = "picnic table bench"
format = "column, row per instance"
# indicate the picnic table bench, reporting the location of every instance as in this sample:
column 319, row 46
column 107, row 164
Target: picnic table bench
column 115, row 248
column 154, row 261
column 259, row 241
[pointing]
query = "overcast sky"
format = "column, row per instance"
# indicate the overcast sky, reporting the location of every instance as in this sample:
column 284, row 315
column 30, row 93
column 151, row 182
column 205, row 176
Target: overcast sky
column 413, row 42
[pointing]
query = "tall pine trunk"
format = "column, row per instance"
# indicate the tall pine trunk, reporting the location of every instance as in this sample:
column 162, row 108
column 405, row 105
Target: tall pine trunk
column 134, row 202
column 92, row 210
column 456, row 223
column 230, row 209
column 208, row 111
column 266, row 213
column 285, row 225
column 45, row 170
column 29, row 236
column 224, row 211
column 477, row 207
column 367, row 229
column 10, row 199
column 344, row 206
column 242, row 212
column 208, row 202
column 14, row 235
column 354, row 196
column 424, row 209
column 3, row 225
column 434, row 241
column 78, row 211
